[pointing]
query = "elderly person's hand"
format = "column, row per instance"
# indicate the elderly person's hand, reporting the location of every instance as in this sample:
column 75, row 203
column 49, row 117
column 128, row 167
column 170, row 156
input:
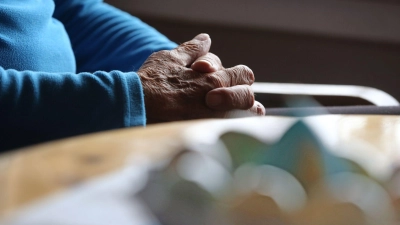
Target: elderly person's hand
column 190, row 83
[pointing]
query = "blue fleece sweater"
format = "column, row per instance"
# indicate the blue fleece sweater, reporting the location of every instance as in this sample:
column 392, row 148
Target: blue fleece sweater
column 66, row 68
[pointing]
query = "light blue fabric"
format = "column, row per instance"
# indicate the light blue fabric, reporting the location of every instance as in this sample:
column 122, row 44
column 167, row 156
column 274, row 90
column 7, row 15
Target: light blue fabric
column 67, row 68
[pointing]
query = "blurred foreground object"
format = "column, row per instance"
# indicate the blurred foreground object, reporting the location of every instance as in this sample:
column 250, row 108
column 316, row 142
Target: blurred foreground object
column 271, row 170
column 301, row 177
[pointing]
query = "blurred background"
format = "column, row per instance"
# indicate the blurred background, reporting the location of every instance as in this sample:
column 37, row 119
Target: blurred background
column 353, row 42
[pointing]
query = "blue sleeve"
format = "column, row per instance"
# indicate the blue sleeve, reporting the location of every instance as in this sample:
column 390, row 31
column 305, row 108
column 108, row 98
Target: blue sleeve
column 105, row 38
column 40, row 106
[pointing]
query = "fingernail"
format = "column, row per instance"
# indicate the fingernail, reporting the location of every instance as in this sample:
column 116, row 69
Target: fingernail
column 202, row 37
column 206, row 62
column 213, row 99
column 260, row 110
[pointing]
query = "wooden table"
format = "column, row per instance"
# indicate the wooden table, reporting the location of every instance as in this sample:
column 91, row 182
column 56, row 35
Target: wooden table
column 31, row 174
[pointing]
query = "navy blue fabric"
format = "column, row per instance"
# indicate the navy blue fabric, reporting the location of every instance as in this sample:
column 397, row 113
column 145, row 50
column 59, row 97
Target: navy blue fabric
column 67, row 68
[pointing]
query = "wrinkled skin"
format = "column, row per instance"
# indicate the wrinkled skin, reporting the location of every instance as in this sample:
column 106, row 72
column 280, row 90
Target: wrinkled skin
column 188, row 82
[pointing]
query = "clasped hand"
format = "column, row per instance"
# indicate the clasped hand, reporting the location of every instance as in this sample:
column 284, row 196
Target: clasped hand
column 188, row 82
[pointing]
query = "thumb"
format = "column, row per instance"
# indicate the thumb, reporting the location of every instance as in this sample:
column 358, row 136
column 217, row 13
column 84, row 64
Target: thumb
column 188, row 52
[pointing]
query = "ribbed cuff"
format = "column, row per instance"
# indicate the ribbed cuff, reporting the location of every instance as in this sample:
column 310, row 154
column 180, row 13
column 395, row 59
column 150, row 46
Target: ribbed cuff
column 135, row 114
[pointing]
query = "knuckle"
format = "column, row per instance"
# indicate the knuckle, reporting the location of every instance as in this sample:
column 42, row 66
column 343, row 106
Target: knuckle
column 243, row 98
column 249, row 96
column 176, row 57
column 239, row 97
column 246, row 73
column 161, row 56
column 162, row 53
column 165, row 56
column 215, row 80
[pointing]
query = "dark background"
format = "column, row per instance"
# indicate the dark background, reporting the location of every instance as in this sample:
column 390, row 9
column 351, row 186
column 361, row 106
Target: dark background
column 321, row 42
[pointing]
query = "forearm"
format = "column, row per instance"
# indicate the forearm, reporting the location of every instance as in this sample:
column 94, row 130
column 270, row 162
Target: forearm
column 38, row 106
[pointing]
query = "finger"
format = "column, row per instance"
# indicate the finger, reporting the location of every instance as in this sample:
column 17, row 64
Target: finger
column 237, row 75
column 236, row 97
column 256, row 110
column 207, row 64
column 188, row 52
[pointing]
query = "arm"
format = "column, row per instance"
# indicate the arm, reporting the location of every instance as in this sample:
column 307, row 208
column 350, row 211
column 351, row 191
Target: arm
column 39, row 106
column 105, row 38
